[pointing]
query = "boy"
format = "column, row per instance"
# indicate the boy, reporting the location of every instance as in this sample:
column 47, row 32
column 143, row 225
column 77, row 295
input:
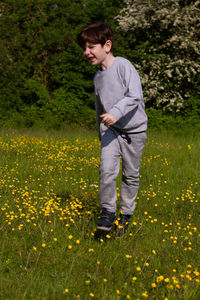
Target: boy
column 121, row 120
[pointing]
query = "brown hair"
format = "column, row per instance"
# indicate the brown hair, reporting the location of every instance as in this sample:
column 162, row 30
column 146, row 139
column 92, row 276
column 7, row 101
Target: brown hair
column 95, row 33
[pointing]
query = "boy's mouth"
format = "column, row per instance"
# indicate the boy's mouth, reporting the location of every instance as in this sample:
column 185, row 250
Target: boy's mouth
column 91, row 59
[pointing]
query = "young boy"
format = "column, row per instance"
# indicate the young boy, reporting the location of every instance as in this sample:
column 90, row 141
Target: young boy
column 121, row 120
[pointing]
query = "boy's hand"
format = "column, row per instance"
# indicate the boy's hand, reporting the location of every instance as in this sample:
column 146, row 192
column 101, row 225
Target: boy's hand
column 108, row 119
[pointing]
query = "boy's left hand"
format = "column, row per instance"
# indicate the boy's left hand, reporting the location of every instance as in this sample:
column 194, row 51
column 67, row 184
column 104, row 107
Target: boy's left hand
column 108, row 119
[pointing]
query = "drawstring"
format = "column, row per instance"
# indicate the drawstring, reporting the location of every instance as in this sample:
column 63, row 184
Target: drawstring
column 125, row 136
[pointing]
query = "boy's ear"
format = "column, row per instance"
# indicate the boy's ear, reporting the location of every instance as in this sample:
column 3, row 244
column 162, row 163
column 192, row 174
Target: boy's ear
column 108, row 45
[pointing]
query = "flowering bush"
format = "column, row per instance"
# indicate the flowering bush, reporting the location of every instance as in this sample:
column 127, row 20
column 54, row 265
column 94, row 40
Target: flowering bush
column 164, row 36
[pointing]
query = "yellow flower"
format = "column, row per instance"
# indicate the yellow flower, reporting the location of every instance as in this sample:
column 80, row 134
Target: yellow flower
column 69, row 247
column 105, row 280
column 145, row 294
column 87, row 281
column 43, row 245
column 70, row 237
column 66, row 290
column 77, row 242
column 91, row 250
column 159, row 278
column 153, row 285
column 138, row 269
column 108, row 236
column 91, row 295
column 134, row 278
column 154, row 251
column 117, row 292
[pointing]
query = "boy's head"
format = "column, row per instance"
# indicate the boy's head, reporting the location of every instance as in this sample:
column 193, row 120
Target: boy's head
column 96, row 33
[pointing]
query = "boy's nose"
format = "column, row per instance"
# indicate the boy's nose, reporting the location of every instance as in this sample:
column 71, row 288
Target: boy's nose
column 86, row 52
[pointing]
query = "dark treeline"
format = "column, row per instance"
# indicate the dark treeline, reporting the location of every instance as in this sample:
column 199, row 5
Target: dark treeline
column 44, row 79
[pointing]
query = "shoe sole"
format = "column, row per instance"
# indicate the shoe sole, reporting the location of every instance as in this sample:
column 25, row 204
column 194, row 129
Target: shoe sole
column 103, row 228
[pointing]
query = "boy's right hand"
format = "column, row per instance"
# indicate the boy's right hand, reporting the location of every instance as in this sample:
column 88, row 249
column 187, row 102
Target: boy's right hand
column 108, row 119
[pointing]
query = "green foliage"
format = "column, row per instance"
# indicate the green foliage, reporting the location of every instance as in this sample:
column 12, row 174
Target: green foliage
column 45, row 80
column 43, row 74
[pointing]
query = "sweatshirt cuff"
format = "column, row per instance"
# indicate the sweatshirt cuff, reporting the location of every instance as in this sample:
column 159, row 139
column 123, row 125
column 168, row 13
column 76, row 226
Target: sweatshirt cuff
column 116, row 113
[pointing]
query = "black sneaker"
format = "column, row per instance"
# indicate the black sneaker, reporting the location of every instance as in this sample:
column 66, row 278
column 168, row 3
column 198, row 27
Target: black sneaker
column 121, row 224
column 106, row 220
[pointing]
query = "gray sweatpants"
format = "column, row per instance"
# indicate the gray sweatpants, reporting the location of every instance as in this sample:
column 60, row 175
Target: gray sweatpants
column 114, row 146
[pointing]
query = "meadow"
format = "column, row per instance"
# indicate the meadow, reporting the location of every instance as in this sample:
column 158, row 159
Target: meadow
column 49, row 207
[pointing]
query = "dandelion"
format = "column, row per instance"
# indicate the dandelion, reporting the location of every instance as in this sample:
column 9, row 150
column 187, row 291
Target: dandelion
column 66, row 291
column 154, row 251
column 70, row 237
column 153, row 285
column 91, row 250
column 159, row 278
column 91, row 295
column 134, row 278
column 77, row 241
column 69, row 247
column 43, row 245
column 145, row 295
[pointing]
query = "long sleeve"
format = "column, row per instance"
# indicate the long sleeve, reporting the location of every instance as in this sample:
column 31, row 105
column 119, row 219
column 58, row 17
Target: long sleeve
column 133, row 95
column 99, row 111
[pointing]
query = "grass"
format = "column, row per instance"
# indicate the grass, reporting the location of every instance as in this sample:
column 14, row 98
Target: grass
column 49, row 207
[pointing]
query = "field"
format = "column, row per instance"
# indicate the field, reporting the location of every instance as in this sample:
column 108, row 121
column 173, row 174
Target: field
column 49, row 207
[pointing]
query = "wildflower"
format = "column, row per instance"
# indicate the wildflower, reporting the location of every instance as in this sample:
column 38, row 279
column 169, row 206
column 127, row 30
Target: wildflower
column 117, row 292
column 134, row 278
column 159, row 278
column 105, row 280
column 66, row 290
column 91, row 250
column 91, row 295
column 138, row 269
column 43, row 245
column 154, row 251
column 69, row 247
column 145, row 294
column 77, row 242
column 70, row 237
column 153, row 285
column 34, row 248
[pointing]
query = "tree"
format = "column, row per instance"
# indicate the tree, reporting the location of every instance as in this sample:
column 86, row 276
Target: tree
column 164, row 36
column 43, row 72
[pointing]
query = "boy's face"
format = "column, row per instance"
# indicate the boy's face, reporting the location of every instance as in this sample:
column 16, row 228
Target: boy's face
column 96, row 53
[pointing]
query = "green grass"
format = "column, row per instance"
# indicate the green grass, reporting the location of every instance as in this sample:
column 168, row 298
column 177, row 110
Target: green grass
column 49, row 207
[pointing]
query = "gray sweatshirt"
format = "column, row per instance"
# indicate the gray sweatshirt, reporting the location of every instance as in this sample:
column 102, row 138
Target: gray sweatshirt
column 118, row 91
